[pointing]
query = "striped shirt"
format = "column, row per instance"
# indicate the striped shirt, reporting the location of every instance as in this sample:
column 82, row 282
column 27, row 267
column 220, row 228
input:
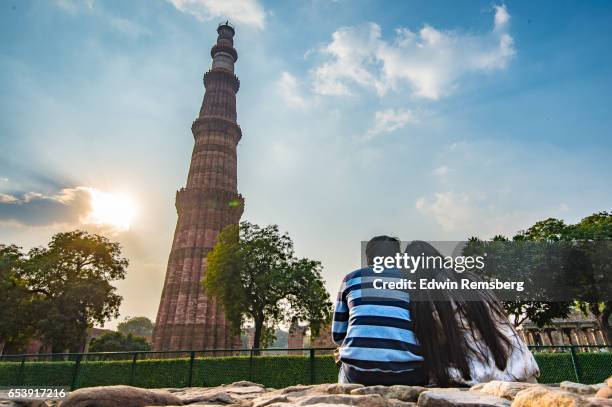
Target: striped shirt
column 372, row 326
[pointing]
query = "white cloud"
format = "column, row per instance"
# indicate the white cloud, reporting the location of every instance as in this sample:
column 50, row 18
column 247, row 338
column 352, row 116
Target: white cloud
column 441, row 171
column 247, row 12
column 449, row 209
column 74, row 6
column 121, row 25
column 430, row 61
column 288, row 88
column 502, row 18
column 351, row 49
column 5, row 198
column 67, row 206
column 74, row 207
column 464, row 214
column 389, row 120
column 127, row 27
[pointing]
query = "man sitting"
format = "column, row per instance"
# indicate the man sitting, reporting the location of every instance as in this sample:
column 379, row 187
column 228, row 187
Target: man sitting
column 373, row 327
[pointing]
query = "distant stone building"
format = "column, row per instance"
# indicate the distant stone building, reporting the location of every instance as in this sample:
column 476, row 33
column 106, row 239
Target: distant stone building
column 575, row 330
column 187, row 318
column 296, row 337
column 37, row 346
column 323, row 339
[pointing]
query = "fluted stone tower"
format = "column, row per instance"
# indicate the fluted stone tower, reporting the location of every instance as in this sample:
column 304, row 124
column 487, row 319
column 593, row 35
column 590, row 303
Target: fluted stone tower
column 187, row 318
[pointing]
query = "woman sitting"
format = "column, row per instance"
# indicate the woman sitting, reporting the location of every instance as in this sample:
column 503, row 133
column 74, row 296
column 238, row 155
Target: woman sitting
column 465, row 339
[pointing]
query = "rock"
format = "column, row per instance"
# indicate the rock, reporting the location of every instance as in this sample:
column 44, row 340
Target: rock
column 249, row 394
column 399, row 403
column 403, row 393
column 577, row 388
column 245, row 383
column 371, row 400
column 211, row 397
column 266, row 401
column 540, row 396
column 604, row 393
column 478, row 387
column 343, row 388
column 119, row 396
column 450, row 398
column 506, row 390
column 236, row 393
column 597, row 402
column 296, row 390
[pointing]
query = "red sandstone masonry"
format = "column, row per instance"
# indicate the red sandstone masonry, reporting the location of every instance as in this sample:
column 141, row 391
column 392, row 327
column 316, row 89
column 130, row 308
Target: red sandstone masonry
column 187, row 318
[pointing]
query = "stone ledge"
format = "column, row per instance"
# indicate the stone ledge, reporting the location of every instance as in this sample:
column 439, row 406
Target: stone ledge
column 249, row 394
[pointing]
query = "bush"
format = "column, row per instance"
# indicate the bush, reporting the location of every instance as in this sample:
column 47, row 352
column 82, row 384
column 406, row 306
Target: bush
column 271, row 371
column 557, row 367
column 594, row 367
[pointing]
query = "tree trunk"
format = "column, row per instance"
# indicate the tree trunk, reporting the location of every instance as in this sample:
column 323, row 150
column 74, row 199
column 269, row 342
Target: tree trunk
column 259, row 321
column 604, row 322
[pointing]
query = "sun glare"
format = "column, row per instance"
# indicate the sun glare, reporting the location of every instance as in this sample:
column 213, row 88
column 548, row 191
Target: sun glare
column 112, row 209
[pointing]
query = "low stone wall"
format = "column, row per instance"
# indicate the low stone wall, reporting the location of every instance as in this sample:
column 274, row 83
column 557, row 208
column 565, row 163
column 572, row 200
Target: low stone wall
column 247, row 394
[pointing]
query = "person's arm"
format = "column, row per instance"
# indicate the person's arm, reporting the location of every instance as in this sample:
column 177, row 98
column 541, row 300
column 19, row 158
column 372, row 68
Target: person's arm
column 340, row 318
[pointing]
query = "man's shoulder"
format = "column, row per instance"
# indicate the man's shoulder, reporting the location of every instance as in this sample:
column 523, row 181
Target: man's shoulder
column 365, row 271
column 369, row 272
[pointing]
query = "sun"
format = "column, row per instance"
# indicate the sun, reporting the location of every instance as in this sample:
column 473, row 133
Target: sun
column 116, row 210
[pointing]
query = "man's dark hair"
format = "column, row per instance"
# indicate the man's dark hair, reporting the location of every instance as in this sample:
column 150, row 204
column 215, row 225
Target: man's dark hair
column 381, row 246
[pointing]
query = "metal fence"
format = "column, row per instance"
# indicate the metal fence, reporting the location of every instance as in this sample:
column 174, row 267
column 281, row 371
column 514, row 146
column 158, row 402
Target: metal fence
column 272, row 367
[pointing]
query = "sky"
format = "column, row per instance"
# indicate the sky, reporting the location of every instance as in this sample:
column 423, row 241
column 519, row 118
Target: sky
column 419, row 119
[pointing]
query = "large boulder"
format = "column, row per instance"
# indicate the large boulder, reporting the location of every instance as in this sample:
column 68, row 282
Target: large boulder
column 402, row 393
column 119, row 396
column 248, row 394
column 327, row 400
column 452, row 398
column 506, row 390
column 237, row 393
column 540, row 396
column 578, row 388
column 604, row 393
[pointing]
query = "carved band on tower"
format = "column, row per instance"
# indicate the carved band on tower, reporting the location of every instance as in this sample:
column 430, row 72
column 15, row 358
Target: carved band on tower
column 188, row 319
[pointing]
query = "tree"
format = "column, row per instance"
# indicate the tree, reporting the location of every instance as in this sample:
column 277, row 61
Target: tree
column 118, row 342
column 254, row 273
column 597, row 227
column 18, row 305
column 137, row 326
column 73, row 277
column 521, row 261
column 590, row 243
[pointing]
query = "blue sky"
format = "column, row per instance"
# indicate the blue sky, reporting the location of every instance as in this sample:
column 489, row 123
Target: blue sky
column 420, row 119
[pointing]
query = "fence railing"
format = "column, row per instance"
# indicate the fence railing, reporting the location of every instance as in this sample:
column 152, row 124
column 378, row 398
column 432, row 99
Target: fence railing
column 187, row 368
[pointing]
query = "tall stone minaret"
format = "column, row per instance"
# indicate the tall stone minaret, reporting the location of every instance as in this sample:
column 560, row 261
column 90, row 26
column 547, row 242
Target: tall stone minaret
column 187, row 318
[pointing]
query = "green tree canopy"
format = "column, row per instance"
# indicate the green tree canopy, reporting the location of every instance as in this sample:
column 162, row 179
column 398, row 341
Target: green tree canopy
column 18, row 305
column 137, row 326
column 257, row 277
column 118, row 342
column 62, row 289
column 590, row 257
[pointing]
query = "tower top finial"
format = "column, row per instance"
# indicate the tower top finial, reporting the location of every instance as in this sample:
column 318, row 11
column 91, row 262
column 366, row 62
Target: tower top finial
column 223, row 53
column 226, row 26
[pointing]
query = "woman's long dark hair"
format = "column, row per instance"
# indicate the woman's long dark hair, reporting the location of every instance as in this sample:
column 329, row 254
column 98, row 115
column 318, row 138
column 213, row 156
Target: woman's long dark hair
column 441, row 333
